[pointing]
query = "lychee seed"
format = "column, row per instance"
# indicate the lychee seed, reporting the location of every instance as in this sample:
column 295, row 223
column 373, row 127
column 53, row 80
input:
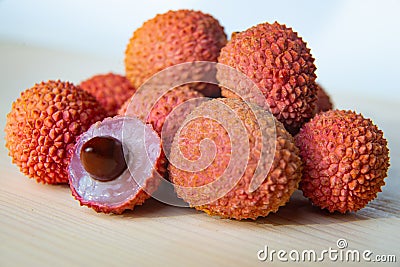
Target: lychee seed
column 103, row 158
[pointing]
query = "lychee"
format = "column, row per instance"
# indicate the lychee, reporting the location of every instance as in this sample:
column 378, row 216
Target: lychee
column 154, row 106
column 172, row 38
column 110, row 89
column 44, row 123
column 116, row 165
column 235, row 160
column 346, row 159
column 278, row 61
column 324, row 102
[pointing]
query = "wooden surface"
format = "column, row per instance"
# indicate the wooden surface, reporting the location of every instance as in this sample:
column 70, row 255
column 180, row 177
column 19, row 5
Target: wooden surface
column 42, row 225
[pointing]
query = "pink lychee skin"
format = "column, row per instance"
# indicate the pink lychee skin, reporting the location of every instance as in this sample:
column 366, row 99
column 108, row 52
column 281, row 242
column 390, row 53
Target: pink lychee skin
column 278, row 61
column 239, row 202
column 346, row 159
column 43, row 125
column 159, row 111
column 324, row 102
column 110, row 89
column 172, row 38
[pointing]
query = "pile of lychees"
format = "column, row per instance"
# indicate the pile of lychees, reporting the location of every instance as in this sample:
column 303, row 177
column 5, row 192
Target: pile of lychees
column 107, row 137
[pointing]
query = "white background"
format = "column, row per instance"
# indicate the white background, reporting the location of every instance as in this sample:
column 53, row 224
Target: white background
column 355, row 43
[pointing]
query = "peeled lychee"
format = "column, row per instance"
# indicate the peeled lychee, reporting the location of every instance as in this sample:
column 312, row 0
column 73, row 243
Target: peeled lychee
column 228, row 161
column 172, row 38
column 278, row 61
column 116, row 165
column 44, row 123
column 324, row 102
column 111, row 90
column 346, row 160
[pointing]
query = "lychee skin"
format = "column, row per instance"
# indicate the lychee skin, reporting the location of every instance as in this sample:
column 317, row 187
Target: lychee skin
column 110, row 89
column 324, row 102
column 128, row 190
column 239, row 203
column 159, row 109
column 280, row 64
column 172, row 38
column 346, row 160
column 43, row 125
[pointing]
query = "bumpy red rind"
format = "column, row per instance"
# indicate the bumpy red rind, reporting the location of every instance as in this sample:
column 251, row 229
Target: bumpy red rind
column 324, row 102
column 282, row 67
column 239, row 203
column 111, row 90
column 346, row 159
column 160, row 109
column 172, row 38
column 44, row 123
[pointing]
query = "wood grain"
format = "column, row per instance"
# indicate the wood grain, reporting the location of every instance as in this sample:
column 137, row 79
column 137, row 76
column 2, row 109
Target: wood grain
column 42, row 225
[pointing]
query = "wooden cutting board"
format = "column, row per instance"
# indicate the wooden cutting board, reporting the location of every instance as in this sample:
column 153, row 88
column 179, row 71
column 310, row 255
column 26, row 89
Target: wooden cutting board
column 42, row 225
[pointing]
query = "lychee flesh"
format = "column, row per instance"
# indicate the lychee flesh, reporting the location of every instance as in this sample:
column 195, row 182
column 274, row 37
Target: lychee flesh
column 324, row 102
column 110, row 89
column 142, row 151
column 43, row 125
column 346, row 159
column 172, row 38
column 283, row 171
column 280, row 64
